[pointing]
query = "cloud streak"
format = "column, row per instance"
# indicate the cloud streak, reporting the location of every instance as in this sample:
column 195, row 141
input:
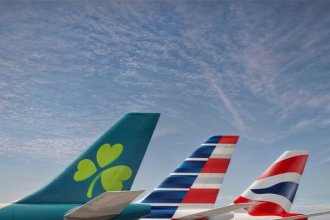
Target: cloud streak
column 57, row 150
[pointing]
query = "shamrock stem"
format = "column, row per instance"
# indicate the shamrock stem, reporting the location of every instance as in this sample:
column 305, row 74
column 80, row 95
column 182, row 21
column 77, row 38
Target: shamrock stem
column 91, row 187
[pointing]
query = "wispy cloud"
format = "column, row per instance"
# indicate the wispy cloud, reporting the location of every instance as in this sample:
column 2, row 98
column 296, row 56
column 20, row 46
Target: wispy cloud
column 134, row 52
column 57, row 150
column 214, row 82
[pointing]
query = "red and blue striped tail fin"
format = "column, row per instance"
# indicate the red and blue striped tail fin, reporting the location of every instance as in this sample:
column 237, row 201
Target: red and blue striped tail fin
column 277, row 186
column 195, row 184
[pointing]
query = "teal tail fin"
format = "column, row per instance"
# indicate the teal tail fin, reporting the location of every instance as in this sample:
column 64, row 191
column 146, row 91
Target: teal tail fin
column 109, row 164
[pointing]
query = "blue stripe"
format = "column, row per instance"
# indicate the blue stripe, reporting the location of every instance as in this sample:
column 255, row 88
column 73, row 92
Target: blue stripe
column 165, row 196
column 285, row 189
column 161, row 212
column 190, row 167
column 177, row 181
column 203, row 151
column 213, row 140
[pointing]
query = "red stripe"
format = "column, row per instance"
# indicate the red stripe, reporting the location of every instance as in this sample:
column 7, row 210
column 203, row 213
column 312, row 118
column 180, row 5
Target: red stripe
column 242, row 199
column 228, row 140
column 201, row 196
column 216, row 165
column 294, row 164
column 266, row 208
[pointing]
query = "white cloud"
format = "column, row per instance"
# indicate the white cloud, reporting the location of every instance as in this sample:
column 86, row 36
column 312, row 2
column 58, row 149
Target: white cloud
column 214, row 82
column 57, row 150
column 243, row 62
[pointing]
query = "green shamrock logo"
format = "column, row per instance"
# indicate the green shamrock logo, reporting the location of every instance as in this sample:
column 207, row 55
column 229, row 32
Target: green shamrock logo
column 111, row 178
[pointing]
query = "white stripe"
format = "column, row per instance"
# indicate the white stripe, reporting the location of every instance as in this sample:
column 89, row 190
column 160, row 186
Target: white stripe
column 197, row 159
column 209, row 180
column 274, row 198
column 184, row 174
column 172, row 189
column 289, row 154
column 272, row 180
column 210, row 144
column 205, row 186
column 225, row 146
column 221, row 156
column 211, row 175
column 220, row 152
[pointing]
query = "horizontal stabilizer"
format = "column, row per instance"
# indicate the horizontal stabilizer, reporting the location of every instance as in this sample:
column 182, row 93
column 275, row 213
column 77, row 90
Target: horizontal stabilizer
column 216, row 212
column 296, row 217
column 105, row 205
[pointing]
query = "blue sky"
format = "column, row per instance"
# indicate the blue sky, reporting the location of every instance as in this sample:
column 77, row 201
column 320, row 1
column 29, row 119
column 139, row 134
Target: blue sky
column 259, row 69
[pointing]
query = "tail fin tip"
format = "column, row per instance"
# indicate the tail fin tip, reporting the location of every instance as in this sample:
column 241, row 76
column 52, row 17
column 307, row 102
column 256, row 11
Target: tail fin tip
column 222, row 139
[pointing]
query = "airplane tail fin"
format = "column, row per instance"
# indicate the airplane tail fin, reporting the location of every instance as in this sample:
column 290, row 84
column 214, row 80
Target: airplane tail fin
column 195, row 184
column 277, row 186
column 109, row 164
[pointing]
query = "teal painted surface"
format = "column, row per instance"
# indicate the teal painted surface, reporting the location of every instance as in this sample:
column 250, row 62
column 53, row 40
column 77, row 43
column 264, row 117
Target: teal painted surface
column 57, row 212
column 35, row 212
column 133, row 131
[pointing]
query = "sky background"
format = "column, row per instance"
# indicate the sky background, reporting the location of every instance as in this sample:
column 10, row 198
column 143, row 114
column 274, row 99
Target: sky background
column 260, row 69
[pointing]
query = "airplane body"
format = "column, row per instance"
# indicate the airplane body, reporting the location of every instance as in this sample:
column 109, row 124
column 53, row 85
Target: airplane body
column 58, row 211
column 109, row 164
